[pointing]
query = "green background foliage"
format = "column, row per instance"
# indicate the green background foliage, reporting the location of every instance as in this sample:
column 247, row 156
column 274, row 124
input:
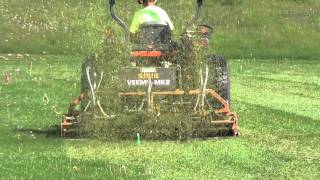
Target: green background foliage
column 243, row 28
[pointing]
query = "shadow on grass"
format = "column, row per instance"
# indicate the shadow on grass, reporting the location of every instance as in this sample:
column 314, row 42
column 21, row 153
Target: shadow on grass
column 52, row 131
column 60, row 162
column 275, row 121
column 108, row 169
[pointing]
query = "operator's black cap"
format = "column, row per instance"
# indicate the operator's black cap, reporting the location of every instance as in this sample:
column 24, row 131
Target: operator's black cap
column 142, row 1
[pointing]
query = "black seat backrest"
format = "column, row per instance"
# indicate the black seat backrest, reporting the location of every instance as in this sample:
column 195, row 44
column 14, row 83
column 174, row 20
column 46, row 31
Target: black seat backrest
column 153, row 34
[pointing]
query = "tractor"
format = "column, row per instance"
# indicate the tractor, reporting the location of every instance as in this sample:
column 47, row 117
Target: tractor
column 164, row 77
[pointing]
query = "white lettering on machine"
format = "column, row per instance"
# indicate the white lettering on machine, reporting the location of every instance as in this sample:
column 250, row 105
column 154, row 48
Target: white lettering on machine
column 160, row 82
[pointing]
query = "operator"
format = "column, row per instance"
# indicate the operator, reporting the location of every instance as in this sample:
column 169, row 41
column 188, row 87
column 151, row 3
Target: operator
column 150, row 13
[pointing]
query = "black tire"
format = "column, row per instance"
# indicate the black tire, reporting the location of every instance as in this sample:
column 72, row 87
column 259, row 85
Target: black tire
column 220, row 73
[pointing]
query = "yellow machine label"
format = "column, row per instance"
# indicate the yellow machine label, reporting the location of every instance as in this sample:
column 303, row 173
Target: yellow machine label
column 145, row 75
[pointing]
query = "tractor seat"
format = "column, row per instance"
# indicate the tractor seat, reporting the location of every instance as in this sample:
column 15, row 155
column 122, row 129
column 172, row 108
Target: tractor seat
column 153, row 40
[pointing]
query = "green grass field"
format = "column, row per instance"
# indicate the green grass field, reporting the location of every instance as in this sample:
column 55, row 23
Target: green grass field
column 273, row 47
column 277, row 101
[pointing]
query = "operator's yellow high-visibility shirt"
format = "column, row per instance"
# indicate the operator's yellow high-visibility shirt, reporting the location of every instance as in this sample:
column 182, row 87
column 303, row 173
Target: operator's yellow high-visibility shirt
column 150, row 14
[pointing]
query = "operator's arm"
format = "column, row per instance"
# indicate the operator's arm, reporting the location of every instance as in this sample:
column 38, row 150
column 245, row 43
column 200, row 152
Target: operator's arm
column 134, row 28
column 169, row 22
column 165, row 18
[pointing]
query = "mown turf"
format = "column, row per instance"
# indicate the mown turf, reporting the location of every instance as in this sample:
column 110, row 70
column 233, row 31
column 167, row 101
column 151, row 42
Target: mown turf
column 277, row 102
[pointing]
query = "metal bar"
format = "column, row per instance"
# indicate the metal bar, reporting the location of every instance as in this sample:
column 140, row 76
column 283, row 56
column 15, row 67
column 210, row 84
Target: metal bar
column 197, row 15
column 116, row 18
column 139, row 93
column 179, row 92
column 221, row 122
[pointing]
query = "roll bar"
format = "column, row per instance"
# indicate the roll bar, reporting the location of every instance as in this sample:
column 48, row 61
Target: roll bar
column 125, row 27
column 116, row 18
column 197, row 15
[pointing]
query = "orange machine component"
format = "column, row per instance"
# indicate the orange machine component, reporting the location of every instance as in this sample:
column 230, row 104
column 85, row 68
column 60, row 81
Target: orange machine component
column 232, row 117
column 146, row 53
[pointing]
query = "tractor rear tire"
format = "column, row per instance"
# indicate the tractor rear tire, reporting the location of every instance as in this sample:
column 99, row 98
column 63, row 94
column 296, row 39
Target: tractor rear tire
column 219, row 69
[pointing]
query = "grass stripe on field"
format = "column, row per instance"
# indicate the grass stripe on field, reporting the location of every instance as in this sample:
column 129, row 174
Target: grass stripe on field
column 277, row 102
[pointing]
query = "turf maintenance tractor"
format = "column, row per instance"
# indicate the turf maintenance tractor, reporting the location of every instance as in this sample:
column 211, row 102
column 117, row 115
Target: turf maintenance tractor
column 163, row 79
